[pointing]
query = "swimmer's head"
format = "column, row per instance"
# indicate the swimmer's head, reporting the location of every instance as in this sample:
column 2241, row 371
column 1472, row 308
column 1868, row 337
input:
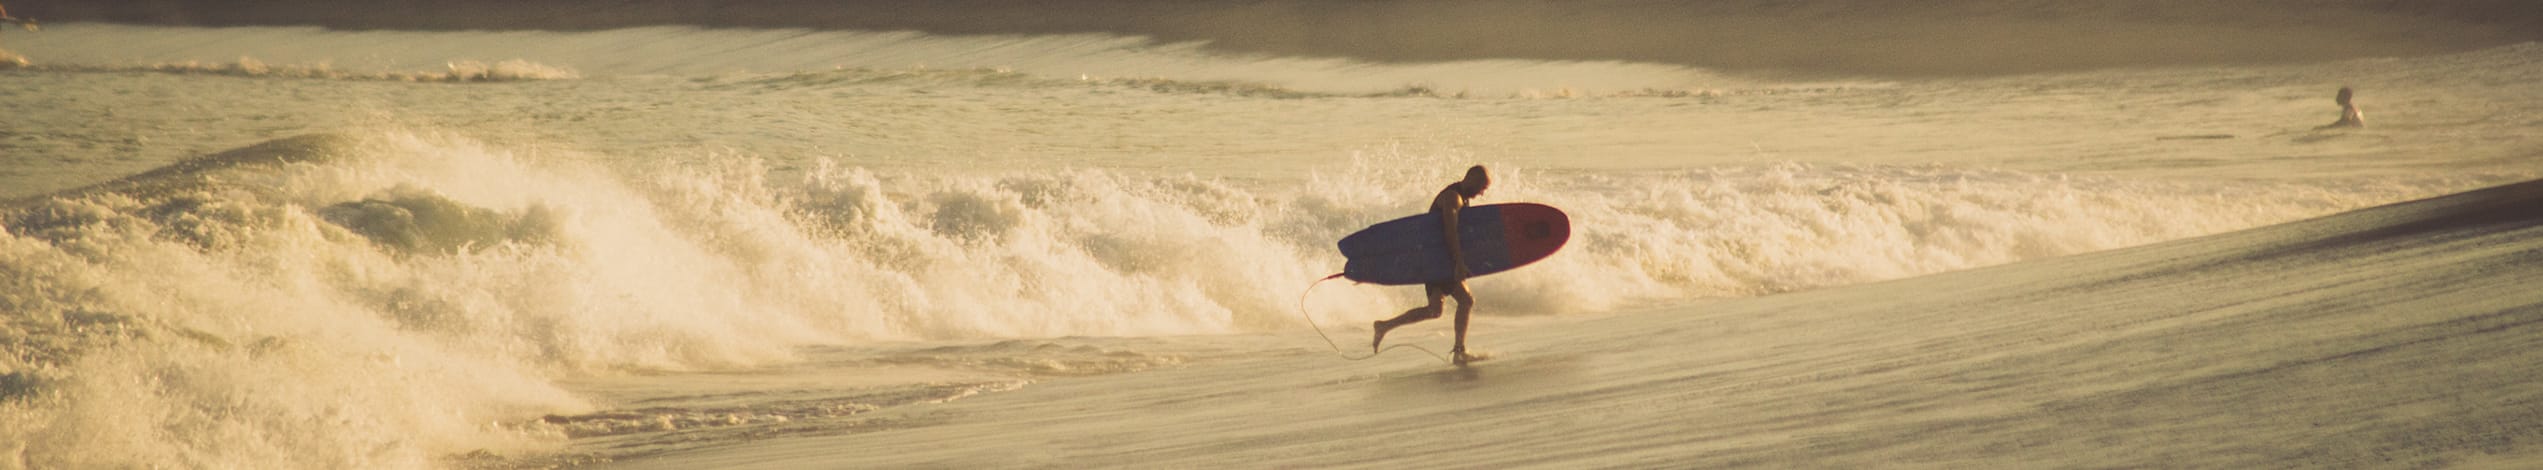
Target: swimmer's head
column 1476, row 181
column 2344, row 96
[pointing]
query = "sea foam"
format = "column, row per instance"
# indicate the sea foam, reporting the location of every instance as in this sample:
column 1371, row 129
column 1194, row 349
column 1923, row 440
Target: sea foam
column 375, row 300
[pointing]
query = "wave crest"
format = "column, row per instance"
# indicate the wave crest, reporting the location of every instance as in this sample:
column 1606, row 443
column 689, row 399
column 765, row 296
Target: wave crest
column 461, row 71
column 397, row 286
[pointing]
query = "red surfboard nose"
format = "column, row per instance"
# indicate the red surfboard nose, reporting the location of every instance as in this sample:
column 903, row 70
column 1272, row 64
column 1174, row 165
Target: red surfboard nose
column 1535, row 231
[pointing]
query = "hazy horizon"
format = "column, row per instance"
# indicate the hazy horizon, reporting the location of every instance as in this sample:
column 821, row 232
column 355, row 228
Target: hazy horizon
column 1817, row 38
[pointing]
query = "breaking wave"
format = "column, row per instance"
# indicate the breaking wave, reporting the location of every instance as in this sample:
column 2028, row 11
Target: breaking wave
column 380, row 301
column 514, row 70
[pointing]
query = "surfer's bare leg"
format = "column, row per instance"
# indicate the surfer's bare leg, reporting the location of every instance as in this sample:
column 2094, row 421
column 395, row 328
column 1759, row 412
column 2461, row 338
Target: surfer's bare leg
column 1465, row 307
column 1417, row 314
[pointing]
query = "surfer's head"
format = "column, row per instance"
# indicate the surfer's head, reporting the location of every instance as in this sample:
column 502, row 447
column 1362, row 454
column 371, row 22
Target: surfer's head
column 1475, row 182
column 2344, row 96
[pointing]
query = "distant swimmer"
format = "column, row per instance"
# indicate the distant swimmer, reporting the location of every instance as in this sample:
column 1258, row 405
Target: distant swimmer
column 28, row 23
column 2349, row 114
column 10, row 60
column 1450, row 201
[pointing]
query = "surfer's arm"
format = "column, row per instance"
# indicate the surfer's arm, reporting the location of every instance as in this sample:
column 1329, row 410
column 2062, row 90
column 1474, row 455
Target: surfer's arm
column 1448, row 206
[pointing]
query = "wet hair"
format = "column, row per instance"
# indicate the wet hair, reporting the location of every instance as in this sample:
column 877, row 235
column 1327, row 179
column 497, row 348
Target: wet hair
column 1476, row 180
column 2344, row 96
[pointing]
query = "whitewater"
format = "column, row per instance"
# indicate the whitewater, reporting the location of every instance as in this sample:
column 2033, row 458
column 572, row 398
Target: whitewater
column 736, row 247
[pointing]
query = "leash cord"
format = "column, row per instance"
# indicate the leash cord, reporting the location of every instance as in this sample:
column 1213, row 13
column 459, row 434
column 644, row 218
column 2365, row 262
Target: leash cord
column 1337, row 347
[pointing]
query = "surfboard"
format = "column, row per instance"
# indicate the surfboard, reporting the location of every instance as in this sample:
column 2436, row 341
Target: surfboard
column 1414, row 250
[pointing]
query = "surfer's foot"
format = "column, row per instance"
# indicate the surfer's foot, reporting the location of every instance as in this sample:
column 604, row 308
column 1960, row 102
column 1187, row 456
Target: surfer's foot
column 1458, row 355
column 1381, row 328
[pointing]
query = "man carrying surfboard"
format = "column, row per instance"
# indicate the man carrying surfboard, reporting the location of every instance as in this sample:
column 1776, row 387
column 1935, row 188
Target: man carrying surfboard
column 1450, row 201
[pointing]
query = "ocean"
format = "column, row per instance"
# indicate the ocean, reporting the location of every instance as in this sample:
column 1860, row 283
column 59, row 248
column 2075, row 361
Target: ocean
column 1005, row 234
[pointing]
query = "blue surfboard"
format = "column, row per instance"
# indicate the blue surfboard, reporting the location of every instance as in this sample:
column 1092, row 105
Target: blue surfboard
column 1414, row 250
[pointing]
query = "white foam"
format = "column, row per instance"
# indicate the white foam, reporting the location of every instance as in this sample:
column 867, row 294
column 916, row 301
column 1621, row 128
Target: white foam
column 454, row 71
column 693, row 51
column 434, row 286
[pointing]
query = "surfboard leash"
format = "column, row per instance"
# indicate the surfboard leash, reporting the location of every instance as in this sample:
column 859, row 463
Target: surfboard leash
column 1337, row 347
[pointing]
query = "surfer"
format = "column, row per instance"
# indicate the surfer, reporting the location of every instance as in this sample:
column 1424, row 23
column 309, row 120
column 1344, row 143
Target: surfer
column 2349, row 114
column 10, row 60
column 27, row 23
column 1450, row 200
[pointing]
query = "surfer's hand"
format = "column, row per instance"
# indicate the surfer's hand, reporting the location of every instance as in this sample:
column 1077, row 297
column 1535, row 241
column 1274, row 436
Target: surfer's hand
column 1462, row 273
